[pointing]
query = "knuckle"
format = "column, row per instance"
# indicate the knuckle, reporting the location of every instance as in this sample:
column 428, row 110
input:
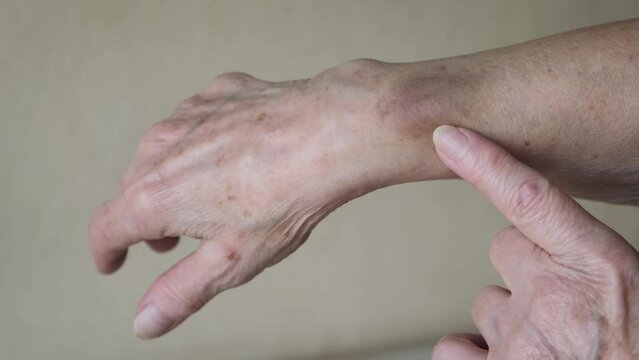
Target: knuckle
column 158, row 134
column 190, row 102
column 143, row 195
column 530, row 200
column 234, row 79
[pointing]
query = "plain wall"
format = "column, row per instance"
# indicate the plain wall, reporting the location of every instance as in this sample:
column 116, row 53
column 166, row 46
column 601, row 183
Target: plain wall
column 80, row 81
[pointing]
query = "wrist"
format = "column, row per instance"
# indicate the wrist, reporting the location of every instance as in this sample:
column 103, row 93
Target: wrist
column 417, row 98
column 381, row 117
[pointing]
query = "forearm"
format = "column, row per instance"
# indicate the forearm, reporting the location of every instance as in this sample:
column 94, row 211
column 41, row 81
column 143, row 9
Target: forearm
column 567, row 105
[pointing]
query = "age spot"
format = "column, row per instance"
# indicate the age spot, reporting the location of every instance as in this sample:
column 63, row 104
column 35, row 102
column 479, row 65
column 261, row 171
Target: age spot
column 262, row 117
column 232, row 256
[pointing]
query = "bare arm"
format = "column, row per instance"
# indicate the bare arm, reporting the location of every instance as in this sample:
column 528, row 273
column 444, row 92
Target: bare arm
column 567, row 105
column 249, row 167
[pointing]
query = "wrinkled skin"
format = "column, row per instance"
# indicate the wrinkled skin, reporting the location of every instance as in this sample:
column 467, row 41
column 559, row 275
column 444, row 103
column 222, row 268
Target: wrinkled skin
column 249, row 168
column 572, row 280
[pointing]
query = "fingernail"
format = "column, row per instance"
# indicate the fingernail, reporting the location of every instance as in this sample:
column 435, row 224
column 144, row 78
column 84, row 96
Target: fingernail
column 151, row 323
column 450, row 141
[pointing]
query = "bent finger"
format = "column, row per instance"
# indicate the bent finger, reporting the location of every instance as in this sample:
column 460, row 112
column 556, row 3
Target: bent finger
column 488, row 310
column 511, row 253
column 131, row 217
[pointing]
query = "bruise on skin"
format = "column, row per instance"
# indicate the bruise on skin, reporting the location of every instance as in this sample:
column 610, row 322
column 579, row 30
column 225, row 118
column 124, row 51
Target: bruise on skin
column 413, row 114
column 418, row 104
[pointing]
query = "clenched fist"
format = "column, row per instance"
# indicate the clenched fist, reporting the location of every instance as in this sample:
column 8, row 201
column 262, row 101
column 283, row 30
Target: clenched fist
column 572, row 281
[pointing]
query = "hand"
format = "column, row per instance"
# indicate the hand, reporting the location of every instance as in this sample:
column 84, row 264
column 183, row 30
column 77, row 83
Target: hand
column 249, row 168
column 573, row 281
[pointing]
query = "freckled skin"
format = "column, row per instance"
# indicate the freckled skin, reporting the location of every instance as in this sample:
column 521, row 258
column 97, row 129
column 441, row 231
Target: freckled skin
column 250, row 167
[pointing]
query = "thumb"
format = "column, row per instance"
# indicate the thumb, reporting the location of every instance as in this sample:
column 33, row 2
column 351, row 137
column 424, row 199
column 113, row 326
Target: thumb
column 185, row 288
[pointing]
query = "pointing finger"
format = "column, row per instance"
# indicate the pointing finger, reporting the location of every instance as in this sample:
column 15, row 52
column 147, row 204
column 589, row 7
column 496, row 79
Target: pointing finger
column 542, row 212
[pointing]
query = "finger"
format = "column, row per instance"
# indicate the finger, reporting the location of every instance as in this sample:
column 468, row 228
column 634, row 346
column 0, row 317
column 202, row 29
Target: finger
column 163, row 245
column 511, row 253
column 488, row 310
column 185, row 288
column 160, row 137
column 547, row 216
column 131, row 217
column 460, row 347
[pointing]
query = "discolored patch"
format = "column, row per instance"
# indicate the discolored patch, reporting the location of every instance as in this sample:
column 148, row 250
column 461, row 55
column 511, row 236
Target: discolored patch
column 262, row 117
column 232, row 256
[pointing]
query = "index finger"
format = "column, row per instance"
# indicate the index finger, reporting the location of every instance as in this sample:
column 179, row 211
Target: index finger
column 132, row 216
column 542, row 212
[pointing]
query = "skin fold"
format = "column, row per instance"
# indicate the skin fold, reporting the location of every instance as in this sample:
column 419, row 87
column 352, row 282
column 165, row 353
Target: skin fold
column 250, row 167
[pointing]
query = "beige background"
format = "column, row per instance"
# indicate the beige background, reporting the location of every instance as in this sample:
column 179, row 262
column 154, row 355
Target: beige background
column 81, row 80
